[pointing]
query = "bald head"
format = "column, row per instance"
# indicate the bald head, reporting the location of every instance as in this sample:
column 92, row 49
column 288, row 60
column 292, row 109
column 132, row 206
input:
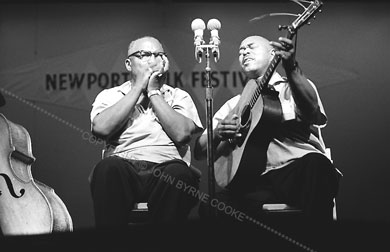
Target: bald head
column 143, row 43
column 255, row 54
column 261, row 41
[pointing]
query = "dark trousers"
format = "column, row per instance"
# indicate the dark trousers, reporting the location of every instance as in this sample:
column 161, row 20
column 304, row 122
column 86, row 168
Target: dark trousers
column 309, row 183
column 117, row 184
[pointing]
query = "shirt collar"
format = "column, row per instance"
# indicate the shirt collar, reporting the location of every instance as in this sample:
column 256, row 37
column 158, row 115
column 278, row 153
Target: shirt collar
column 125, row 87
column 275, row 80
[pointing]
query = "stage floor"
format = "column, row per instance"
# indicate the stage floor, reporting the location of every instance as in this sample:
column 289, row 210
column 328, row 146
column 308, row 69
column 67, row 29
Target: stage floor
column 213, row 236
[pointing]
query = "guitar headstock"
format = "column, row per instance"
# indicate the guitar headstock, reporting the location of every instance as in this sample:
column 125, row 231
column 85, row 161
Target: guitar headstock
column 311, row 7
column 309, row 12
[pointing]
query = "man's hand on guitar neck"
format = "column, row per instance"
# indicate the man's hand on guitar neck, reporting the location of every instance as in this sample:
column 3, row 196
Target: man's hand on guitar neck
column 286, row 50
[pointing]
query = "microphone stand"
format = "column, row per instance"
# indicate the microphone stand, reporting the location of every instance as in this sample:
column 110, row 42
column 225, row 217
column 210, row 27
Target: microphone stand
column 209, row 122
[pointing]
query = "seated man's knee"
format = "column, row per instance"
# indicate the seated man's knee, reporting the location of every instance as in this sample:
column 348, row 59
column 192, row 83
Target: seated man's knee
column 181, row 172
column 318, row 163
column 322, row 170
column 108, row 167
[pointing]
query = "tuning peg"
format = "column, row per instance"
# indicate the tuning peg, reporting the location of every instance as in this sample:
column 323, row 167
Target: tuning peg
column 282, row 27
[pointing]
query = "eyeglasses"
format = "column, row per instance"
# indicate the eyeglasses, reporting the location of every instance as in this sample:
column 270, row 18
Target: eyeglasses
column 144, row 55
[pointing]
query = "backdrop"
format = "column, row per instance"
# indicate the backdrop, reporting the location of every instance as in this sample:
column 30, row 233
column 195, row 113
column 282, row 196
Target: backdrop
column 55, row 58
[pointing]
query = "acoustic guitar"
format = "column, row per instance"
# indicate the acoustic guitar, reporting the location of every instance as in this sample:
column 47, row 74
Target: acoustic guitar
column 239, row 161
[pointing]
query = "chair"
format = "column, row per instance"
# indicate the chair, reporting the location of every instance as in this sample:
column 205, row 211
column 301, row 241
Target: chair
column 281, row 208
column 139, row 215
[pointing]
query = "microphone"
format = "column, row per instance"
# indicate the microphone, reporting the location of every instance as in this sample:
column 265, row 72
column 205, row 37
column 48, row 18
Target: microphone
column 214, row 25
column 198, row 26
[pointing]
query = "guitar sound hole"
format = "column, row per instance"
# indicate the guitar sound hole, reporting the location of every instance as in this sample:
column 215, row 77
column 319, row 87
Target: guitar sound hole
column 245, row 116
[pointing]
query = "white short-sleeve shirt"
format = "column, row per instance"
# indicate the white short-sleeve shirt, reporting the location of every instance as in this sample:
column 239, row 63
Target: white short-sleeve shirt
column 143, row 137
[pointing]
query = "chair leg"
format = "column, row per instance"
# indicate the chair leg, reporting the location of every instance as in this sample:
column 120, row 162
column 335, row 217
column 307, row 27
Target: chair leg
column 334, row 210
column 139, row 215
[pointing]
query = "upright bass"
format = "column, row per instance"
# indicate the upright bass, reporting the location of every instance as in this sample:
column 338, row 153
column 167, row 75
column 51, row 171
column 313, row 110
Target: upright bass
column 27, row 206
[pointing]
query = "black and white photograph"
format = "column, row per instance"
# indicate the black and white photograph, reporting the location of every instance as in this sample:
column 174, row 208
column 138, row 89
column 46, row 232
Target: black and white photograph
column 194, row 125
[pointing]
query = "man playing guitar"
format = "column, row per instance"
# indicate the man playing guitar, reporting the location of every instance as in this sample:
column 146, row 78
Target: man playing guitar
column 286, row 158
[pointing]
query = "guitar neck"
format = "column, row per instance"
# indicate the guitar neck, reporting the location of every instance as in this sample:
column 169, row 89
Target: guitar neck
column 264, row 81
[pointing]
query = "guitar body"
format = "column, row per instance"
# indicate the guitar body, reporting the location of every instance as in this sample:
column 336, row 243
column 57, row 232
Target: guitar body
column 242, row 160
